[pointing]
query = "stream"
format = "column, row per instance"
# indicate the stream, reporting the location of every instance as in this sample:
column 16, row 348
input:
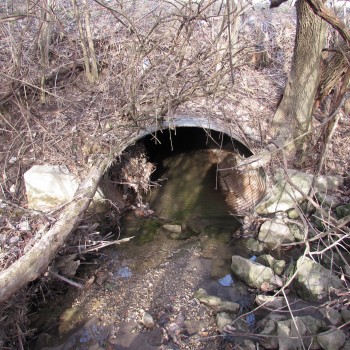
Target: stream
column 139, row 295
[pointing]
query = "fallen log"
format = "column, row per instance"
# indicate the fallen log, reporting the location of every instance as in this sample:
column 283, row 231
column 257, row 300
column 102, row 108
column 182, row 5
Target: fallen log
column 31, row 265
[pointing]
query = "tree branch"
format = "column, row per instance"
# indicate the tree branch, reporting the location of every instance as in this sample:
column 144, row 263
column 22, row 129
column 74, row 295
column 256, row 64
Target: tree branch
column 330, row 17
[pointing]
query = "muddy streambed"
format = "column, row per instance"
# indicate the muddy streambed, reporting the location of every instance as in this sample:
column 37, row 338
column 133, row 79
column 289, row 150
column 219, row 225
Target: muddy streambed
column 156, row 273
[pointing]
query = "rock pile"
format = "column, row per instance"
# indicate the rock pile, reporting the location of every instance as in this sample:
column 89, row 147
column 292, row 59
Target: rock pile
column 301, row 298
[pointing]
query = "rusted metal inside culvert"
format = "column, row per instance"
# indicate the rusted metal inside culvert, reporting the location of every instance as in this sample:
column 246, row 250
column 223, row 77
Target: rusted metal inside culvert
column 242, row 189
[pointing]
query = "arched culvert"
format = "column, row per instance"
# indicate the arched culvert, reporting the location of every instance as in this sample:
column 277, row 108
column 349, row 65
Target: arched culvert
column 241, row 190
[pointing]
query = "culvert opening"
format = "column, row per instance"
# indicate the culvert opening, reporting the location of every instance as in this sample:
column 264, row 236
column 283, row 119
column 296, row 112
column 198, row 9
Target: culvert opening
column 173, row 254
column 186, row 162
column 186, row 176
column 191, row 174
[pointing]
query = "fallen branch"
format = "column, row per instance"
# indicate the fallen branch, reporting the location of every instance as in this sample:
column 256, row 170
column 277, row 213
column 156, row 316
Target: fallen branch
column 31, row 265
column 65, row 279
column 105, row 244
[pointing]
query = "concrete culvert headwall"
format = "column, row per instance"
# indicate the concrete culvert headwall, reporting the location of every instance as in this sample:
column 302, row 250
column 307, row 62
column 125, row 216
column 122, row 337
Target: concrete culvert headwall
column 242, row 189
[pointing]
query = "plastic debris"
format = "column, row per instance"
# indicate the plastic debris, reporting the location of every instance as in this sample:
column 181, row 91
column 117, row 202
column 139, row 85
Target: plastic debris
column 226, row 281
column 251, row 321
column 253, row 258
column 124, row 272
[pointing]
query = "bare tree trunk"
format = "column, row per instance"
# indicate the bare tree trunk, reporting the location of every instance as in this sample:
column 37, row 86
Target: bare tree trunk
column 87, row 46
column 44, row 42
column 294, row 114
column 230, row 24
column 32, row 264
column 92, row 55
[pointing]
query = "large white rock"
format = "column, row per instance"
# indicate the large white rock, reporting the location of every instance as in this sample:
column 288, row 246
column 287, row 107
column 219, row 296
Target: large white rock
column 254, row 274
column 275, row 232
column 313, row 282
column 49, row 186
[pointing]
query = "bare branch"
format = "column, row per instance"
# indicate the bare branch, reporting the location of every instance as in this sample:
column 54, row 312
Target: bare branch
column 330, row 17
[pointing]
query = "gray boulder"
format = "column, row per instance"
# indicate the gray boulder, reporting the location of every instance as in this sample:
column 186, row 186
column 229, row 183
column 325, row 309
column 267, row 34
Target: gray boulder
column 283, row 196
column 332, row 340
column 283, row 333
column 313, row 282
column 254, row 274
column 273, row 233
column 290, row 330
column 268, row 327
column 346, row 345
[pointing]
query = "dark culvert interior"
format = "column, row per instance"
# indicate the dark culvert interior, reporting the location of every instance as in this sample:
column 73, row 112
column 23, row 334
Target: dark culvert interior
column 188, row 192
column 167, row 142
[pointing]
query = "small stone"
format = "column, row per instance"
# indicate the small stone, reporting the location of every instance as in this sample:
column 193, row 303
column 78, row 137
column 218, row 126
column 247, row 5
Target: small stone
column 173, row 228
column 14, row 240
column 206, row 299
column 268, row 260
column 328, row 200
column 270, row 301
column 273, row 233
column 246, row 344
column 297, row 232
column 333, row 316
column 342, row 211
column 147, row 320
column 288, row 332
column 101, row 276
column 12, row 160
column 293, row 214
column 345, row 314
column 222, row 320
column 216, row 302
column 332, row 340
column 252, row 244
column 229, row 306
column 24, row 226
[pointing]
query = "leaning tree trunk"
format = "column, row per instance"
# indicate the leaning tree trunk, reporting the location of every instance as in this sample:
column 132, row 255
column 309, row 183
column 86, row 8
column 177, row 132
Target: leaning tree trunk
column 294, row 114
